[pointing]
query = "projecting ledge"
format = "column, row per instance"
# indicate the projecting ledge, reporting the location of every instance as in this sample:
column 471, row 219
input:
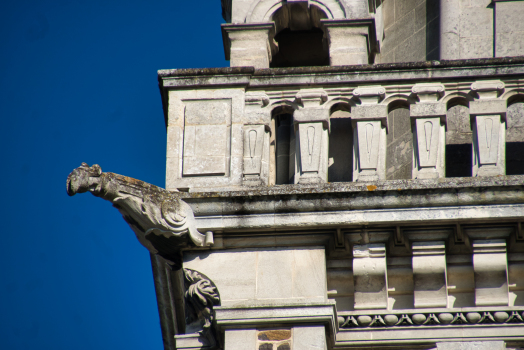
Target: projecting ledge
column 288, row 315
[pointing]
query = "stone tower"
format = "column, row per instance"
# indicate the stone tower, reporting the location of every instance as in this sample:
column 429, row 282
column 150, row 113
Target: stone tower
column 353, row 181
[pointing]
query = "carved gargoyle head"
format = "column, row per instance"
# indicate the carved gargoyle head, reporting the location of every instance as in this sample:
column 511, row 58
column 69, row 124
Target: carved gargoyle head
column 84, row 178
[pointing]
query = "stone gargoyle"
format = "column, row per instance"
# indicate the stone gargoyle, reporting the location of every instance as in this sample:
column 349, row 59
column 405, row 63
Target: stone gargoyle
column 162, row 222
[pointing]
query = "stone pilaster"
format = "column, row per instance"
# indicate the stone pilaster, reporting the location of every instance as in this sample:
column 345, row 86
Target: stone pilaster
column 370, row 275
column 350, row 41
column 256, row 140
column 428, row 119
column 249, row 44
column 369, row 120
column 491, row 272
column 488, row 120
column 429, row 274
column 312, row 136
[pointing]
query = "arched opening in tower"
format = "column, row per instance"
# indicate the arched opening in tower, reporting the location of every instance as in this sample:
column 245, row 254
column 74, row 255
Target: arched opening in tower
column 300, row 39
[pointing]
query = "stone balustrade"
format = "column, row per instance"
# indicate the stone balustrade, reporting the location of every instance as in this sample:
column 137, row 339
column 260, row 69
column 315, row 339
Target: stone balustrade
column 223, row 124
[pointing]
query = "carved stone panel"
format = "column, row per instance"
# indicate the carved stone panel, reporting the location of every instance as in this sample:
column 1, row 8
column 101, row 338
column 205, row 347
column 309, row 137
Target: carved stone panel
column 253, row 148
column 429, row 148
column 310, row 136
column 369, row 150
column 488, row 136
column 312, row 141
column 429, row 274
column 206, row 137
column 488, row 145
column 369, row 273
column 491, row 272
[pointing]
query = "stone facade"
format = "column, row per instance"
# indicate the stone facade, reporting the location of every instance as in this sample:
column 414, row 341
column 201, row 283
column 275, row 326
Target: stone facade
column 353, row 181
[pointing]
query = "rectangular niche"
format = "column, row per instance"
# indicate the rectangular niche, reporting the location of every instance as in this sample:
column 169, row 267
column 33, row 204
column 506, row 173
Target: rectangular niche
column 207, row 140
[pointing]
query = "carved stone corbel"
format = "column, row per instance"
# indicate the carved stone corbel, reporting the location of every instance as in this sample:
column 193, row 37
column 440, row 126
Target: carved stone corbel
column 162, row 222
column 201, row 295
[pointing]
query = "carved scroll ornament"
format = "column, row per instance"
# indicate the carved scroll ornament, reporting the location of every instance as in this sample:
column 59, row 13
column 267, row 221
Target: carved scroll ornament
column 162, row 222
column 200, row 297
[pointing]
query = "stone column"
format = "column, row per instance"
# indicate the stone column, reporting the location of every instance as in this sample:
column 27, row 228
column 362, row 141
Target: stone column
column 312, row 136
column 369, row 120
column 370, row 276
column 491, row 272
column 428, row 120
column 256, row 140
column 429, row 274
column 249, row 44
column 488, row 120
column 350, row 41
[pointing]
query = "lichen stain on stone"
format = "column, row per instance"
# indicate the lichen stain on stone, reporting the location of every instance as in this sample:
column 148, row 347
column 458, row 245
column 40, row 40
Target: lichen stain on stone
column 371, row 187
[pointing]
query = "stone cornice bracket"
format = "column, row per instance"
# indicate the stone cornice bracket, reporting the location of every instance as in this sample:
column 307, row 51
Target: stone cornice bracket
column 162, row 222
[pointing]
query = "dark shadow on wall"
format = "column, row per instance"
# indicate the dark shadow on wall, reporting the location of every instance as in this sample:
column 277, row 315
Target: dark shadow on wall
column 459, row 160
column 340, row 148
column 432, row 30
column 514, row 158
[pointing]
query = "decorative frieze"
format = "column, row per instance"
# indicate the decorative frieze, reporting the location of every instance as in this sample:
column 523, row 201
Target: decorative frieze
column 429, row 274
column 370, row 276
column 490, row 265
column 415, row 319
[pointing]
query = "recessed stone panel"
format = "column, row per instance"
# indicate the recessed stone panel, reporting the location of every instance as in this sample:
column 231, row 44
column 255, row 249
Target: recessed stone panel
column 206, row 137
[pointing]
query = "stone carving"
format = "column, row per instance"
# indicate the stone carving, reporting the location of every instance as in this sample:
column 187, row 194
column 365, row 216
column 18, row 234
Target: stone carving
column 253, row 147
column 369, row 94
column 310, row 135
column 488, row 138
column 429, row 319
column 487, row 89
column 200, row 296
column 162, row 222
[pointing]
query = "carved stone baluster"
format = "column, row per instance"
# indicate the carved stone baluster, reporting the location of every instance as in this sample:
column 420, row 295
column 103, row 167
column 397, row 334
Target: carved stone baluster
column 312, row 137
column 488, row 120
column 428, row 118
column 256, row 140
column 369, row 121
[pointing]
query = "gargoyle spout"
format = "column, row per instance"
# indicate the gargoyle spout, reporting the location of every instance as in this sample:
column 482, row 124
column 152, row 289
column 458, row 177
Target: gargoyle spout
column 162, row 222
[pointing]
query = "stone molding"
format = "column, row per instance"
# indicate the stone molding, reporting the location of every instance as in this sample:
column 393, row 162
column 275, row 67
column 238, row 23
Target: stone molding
column 403, row 318
column 289, row 315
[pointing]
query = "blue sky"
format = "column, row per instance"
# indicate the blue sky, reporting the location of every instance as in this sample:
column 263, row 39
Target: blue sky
column 78, row 84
